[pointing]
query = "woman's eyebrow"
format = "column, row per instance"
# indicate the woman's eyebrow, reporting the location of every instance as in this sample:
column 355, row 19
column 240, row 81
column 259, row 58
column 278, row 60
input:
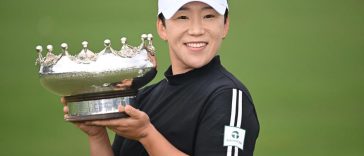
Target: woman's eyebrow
column 186, row 8
column 183, row 8
column 207, row 8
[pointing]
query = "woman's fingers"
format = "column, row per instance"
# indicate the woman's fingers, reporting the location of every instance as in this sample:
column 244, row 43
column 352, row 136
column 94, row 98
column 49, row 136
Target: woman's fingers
column 65, row 109
column 63, row 101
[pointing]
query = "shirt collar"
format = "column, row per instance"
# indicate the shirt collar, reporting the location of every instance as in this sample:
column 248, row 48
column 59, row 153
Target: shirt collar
column 192, row 74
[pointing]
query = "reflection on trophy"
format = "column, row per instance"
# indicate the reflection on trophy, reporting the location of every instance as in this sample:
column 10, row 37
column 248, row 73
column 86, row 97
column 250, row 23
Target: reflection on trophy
column 95, row 84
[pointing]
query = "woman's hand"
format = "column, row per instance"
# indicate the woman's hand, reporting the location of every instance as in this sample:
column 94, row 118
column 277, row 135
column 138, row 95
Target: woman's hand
column 134, row 127
column 138, row 127
column 91, row 131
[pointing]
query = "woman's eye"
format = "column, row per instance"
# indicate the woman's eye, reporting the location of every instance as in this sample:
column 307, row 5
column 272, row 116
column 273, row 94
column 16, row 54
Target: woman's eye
column 210, row 16
column 182, row 17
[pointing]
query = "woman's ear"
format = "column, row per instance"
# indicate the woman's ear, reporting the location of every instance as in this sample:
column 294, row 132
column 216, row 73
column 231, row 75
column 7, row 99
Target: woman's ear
column 161, row 28
column 226, row 26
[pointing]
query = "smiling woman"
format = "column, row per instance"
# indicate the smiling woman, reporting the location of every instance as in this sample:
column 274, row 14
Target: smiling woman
column 223, row 120
column 302, row 60
column 194, row 34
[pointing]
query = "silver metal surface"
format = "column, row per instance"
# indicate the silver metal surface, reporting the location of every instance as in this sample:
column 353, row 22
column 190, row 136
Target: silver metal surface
column 107, row 76
column 95, row 107
column 90, row 72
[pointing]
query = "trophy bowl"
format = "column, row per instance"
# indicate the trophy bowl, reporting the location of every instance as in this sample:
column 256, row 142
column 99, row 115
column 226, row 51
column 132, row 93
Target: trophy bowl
column 96, row 84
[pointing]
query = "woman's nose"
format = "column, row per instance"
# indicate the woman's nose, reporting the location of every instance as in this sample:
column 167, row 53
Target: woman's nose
column 196, row 28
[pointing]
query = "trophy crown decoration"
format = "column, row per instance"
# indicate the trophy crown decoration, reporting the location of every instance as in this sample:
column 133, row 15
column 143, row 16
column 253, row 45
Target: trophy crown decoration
column 95, row 84
column 88, row 59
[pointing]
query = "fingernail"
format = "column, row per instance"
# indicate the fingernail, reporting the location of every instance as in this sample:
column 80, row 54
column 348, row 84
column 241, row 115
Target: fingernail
column 121, row 108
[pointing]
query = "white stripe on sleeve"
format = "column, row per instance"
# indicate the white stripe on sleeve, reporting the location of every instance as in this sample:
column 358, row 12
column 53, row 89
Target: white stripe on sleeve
column 240, row 105
column 232, row 119
column 233, row 108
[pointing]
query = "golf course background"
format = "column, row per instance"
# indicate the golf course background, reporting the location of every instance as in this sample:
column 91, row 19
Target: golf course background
column 302, row 60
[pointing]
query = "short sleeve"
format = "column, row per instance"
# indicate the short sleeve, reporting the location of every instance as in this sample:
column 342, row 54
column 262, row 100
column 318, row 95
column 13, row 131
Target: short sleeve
column 139, row 82
column 230, row 108
column 116, row 145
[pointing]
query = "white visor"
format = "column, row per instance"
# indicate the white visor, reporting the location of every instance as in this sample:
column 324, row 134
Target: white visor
column 170, row 7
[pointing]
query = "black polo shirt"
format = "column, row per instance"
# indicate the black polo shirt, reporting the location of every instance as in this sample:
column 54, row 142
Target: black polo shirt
column 204, row 112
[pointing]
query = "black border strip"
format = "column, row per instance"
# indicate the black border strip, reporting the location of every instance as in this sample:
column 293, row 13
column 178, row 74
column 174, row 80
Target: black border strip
column 101, row 95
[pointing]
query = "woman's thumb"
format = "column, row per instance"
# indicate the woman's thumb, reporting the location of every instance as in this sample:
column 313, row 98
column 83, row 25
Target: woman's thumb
column 131, row 111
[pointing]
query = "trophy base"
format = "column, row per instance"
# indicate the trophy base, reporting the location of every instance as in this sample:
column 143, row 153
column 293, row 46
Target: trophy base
column 96, row 117
column 98, row 106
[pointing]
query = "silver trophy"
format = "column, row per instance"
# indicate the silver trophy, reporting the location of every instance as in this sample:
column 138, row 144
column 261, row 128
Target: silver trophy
column 95, row 84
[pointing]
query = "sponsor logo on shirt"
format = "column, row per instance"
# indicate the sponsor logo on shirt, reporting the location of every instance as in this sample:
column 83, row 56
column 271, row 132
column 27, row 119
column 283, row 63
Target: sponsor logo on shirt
column 234, row 136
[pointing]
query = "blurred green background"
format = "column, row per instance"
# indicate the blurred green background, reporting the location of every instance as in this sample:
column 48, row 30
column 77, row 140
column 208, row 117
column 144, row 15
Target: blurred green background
column 303, row 61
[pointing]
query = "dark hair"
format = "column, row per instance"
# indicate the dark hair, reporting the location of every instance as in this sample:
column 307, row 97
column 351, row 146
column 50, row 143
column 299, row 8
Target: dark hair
column 163, row 19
